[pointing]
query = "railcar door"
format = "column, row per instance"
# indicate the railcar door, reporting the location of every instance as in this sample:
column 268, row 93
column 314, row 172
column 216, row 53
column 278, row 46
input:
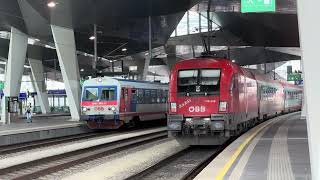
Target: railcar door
column 125, row 100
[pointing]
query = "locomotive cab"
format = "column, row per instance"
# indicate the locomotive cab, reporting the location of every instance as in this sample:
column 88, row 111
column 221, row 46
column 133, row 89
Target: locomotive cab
column 200, row 101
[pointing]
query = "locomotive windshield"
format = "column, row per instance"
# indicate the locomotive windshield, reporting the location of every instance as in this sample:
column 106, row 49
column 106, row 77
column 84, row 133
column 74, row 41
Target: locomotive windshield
column 108, row 94
column 99, row 93
column 91, row 94
column 199, row 81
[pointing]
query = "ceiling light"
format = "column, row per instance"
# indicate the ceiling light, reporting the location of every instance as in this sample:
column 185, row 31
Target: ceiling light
column 92, row 37
column 52, row 4
column 31, row 41
column 124, row 49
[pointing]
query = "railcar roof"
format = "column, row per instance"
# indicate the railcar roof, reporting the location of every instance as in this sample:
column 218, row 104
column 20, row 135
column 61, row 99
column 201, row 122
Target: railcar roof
column 127, row 83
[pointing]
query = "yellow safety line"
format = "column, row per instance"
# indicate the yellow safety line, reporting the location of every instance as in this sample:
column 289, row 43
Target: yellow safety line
column 235, row 155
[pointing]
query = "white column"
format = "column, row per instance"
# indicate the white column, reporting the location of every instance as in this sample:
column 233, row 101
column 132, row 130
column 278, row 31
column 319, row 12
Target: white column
column 39, row 84
column 66, row 51
column 308, row 12
column 14, row 69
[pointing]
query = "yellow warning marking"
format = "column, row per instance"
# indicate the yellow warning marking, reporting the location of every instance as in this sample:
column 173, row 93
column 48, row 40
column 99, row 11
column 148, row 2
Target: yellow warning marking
column 235, row 155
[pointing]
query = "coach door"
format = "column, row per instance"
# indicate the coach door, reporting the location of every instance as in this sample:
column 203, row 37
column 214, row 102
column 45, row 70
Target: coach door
column 125, row 99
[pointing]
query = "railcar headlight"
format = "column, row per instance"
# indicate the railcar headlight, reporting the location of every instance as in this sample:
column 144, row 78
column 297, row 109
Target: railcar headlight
column 206, row 119
column 84, row 109
column 173, row 107
column 223, row 106
column 113, row 108
column 188, row 119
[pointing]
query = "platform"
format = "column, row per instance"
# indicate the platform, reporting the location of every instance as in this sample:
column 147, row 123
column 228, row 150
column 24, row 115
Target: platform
column 42, row 127
column 274, row 150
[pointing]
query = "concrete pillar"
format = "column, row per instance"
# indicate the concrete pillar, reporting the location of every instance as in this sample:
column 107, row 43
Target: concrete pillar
column 14, row 69
column 66, row 51
column 309, row 38
column 39, row 84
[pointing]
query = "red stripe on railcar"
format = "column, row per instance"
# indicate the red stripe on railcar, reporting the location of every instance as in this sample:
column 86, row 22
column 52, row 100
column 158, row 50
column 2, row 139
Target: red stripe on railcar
column 99, row 103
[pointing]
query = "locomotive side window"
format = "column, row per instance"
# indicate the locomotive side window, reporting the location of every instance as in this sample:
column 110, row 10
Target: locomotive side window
column 108, row 94
column 198, row 81
column 91, row 94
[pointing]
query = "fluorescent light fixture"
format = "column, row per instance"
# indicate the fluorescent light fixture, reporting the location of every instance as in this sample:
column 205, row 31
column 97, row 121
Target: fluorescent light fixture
column 124, row 49
column 92, row 37
column 52, row 4
column 48, row 46
column 31, row 41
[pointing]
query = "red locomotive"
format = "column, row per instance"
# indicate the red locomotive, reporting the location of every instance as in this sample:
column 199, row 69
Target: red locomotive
column 214, row 99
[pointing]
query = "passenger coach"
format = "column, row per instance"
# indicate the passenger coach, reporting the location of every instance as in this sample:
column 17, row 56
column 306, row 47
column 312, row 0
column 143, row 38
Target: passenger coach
column 109, row 103
column 214, row 99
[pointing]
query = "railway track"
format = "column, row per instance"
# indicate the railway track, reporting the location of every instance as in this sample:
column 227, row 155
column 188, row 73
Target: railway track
column 45, row 166
column 49, row 142
column 185, row 164
column 178, row 166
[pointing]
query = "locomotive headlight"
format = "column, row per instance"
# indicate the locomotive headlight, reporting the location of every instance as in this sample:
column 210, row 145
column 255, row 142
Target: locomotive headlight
column 173, row 107
column 223, row 106
column 113, row 108
column 188, row 119
column 206, row 119
column 84, row 109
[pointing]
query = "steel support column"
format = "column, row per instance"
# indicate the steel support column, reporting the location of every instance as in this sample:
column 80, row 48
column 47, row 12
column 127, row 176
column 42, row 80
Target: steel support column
column 14, row 69
column 66, row 50
column 308, row 10
column 148, row 59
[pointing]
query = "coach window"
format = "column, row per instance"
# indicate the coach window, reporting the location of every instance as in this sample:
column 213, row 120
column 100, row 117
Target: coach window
column 153, row 96
column 140, row 94
column 159, row 95
column 147, row 96
column 91, row 94
column 166, row 94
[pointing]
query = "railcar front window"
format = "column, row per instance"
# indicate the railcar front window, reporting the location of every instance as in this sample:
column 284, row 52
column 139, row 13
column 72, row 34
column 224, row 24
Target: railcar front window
column 108, row 94
column 199, row 81
column 91, row 94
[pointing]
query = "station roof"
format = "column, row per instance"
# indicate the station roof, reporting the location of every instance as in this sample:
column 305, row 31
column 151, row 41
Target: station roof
column 267, row 37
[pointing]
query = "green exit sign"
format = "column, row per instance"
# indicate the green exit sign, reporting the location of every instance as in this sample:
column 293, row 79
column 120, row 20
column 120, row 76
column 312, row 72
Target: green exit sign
column 294, row 77
column 258, row 6
column 1, row 85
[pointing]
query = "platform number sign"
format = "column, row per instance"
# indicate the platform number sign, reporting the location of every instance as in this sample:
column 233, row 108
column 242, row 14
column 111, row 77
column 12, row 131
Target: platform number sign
column 252, row 6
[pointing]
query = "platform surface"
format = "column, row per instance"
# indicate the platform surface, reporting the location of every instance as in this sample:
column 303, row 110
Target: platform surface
column 274, row 150
column 39, row 123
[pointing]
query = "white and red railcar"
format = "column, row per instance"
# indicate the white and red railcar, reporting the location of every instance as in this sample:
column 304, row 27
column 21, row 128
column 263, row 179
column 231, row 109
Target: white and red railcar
column 214, row 99
column 109, row 103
